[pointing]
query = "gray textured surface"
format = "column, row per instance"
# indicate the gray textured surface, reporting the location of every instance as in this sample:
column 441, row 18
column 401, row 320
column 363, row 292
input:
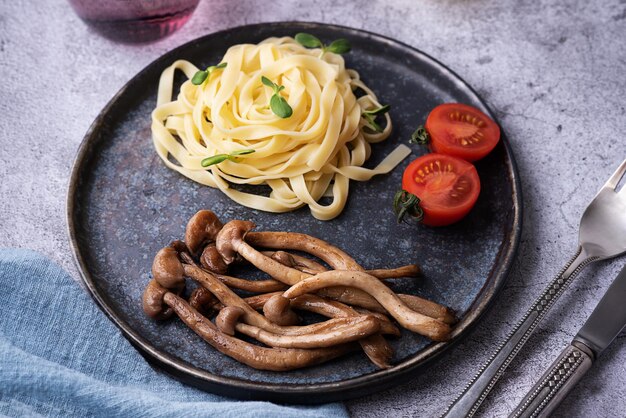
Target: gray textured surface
column 552, row 71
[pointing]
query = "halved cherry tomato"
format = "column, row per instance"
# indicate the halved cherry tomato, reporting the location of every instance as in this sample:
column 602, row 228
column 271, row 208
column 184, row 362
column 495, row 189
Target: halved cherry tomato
column 461, row 131
column 448, row 187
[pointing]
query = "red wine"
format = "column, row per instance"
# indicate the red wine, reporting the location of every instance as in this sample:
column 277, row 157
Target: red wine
column 134, row 21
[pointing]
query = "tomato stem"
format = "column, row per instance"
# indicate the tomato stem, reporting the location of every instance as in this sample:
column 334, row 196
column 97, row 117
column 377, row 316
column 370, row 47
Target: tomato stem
column 405, row 203
column 420, row 136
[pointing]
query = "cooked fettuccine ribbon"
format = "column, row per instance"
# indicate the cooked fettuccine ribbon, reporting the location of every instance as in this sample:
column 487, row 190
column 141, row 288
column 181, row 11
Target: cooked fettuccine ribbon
column 314, row 152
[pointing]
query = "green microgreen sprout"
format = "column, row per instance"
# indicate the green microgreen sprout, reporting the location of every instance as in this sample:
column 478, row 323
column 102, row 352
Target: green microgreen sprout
column 405, row 203
column 370, row 117
column 278, row 103
column 201, row 76
column 420, row 136
column 218, row 158
column 338, row 46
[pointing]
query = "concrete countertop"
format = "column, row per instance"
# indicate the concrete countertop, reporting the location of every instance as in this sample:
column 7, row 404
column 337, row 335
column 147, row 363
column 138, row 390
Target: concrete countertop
column 553, row 72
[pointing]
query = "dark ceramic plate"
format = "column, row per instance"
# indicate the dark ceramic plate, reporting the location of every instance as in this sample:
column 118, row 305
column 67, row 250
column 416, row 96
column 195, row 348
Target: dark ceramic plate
column 124, row 205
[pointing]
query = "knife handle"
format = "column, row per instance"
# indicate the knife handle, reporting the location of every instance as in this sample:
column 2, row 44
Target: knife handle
column 556, row 383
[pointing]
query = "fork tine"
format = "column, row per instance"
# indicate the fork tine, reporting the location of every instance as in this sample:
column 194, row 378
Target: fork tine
column 613, row 181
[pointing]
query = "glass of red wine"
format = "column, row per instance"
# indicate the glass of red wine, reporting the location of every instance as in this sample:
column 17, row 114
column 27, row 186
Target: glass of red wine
column 134, row 21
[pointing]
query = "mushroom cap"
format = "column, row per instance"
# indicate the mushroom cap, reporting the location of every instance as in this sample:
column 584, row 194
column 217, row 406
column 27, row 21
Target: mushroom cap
column 152, row 300
column 182, row 250
column 179, row 246
column 278, row 310
column 202, row 300
column 230, row 236
column 212, row 260
column 201, row 228
column 167, row 269
column 228, row 318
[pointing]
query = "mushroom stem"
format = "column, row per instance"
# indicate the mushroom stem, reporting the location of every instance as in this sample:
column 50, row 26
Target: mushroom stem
column 330, row 254
column 274, row 359
column 356, row 328
column 408, row 318
column 306, row 265
column 277, row 270
column 358, row 297
column 381, row 316
column 377, row 350
column 375, row 346
column 258, row 301
column 429, row 308
column 257, row 286
column 334, row 309
column 410, row 270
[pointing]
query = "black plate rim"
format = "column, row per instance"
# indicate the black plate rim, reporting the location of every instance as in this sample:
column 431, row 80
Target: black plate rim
column 299, row 393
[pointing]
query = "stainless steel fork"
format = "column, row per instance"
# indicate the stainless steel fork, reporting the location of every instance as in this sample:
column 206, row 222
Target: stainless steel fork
column 602, row 235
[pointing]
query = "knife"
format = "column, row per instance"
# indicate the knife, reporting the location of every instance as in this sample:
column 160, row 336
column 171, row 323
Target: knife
column 605, row 323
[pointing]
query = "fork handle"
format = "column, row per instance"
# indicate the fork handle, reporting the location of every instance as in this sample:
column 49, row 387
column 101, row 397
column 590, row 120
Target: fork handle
column 556, row 383
column 479, row 387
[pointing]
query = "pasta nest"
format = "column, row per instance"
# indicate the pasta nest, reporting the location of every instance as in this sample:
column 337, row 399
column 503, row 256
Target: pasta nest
column 313, row 153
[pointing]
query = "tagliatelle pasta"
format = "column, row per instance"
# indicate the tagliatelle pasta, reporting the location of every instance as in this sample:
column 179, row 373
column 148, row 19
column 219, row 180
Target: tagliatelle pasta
column 314, row 152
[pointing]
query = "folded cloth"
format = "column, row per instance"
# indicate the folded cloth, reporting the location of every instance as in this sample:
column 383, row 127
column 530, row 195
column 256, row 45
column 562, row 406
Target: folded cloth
column 60, row 356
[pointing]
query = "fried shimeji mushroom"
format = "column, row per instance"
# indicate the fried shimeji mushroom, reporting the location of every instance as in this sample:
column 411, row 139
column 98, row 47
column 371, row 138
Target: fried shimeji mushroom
column 229, row 298
column 230, row 242
column 167, row 269
column 211, row 260
column 356, row 300
column 263, row 358
column 153, row 301
column 352, row 296
column 356, row 328
column 278, row 310
column 408, row 318
column 201, row 229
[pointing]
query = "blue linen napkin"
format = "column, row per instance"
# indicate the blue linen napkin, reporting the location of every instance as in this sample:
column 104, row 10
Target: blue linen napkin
column 60, row 356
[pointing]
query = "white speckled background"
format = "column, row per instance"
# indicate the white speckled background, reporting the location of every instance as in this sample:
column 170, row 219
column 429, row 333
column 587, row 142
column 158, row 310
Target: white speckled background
column 553, row 71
